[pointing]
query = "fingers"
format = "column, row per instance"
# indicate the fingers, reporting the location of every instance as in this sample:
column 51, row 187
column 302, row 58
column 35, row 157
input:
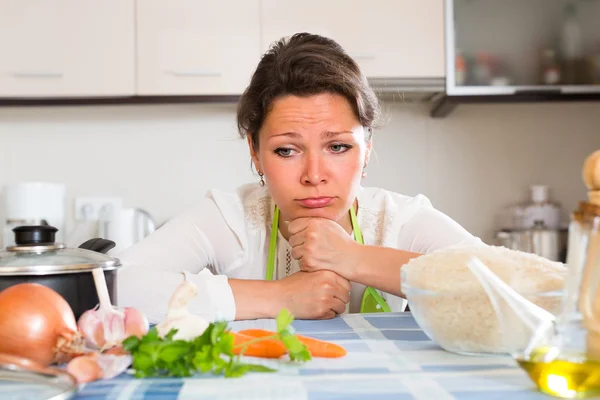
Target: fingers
column 342, row 295
column 343, row 283
column 298, row 225
column 338, row 306
column 297, row 253
column 328, row 315
column 302, row 230
column 297, row 239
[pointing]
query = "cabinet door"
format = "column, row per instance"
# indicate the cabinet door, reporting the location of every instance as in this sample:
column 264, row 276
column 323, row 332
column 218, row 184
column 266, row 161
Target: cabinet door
column 388, row 38
column 66, row 48
column 196, row 47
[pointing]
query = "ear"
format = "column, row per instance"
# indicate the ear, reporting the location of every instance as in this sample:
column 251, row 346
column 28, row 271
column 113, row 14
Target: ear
column 253, row 153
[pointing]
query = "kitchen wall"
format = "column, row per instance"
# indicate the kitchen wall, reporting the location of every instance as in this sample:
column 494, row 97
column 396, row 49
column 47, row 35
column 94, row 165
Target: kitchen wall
column 163, row 158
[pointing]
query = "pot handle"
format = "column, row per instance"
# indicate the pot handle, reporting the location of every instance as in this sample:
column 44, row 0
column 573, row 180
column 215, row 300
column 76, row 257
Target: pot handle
column 98, row 245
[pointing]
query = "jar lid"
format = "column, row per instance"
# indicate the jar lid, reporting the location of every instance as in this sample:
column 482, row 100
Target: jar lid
column 36, row 253
column 26, row 379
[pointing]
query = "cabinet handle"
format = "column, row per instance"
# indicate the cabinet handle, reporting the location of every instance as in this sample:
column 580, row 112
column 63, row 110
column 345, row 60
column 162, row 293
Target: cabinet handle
column 363, row 56
column 194, row 72
column 37, row 74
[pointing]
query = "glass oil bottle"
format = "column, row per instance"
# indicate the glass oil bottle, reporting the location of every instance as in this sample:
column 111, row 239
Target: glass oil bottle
column 566, row 363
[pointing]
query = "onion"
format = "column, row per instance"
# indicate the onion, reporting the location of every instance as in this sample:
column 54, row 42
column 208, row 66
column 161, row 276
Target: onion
column 36, row 323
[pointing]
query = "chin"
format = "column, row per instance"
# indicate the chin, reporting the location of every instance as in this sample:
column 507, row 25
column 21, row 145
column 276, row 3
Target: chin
column 324, row 212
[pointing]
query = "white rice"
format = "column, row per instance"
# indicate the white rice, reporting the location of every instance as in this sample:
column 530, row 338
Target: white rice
column 457, row 313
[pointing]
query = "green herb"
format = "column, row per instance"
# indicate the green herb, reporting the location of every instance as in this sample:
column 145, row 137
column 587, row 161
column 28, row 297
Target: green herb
column 286, row 333
column 212, row 352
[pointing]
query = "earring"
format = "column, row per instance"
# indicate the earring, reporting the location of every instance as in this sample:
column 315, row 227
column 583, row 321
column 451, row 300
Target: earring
column 364, row 174
column 262, row 180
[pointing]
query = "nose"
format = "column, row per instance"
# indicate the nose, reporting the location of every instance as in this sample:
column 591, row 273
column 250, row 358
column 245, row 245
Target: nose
column 314, row 169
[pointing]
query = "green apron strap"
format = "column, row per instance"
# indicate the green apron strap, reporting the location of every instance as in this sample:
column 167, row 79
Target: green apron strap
column 355, row 228
column 371, row 301
column 273, row 245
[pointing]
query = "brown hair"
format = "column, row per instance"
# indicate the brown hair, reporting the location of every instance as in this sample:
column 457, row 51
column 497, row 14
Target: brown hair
column 302, row 65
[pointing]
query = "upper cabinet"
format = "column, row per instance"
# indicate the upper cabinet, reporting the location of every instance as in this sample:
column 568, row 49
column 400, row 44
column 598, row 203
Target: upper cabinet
column 196, row 47
column 516, row 47
column 122, row 48
column 67, row 48
column 389, row 39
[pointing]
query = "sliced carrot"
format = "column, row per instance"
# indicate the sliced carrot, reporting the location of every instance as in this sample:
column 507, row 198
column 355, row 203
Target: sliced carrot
column 266, row 348
column 322, row 348
column 316, row 347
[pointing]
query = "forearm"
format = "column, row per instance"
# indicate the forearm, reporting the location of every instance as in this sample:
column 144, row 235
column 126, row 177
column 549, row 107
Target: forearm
column 255, row 298
column 379, row 267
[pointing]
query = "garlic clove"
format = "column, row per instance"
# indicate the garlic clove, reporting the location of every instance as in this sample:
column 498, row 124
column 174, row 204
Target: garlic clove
column 135, row 323
column 185, row 292
column 90, row 325
column 98, row 366
column 114, row 326
column 113, row 365
column 188, row 327
column 179, row 317
column 84, row 369
column 117, row 351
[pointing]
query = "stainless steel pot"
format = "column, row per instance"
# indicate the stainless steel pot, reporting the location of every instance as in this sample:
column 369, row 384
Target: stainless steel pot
column 37, row 258
column 548, row 243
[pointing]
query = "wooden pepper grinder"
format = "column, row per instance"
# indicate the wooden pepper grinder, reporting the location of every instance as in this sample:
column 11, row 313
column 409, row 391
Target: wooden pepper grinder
column 591, row 177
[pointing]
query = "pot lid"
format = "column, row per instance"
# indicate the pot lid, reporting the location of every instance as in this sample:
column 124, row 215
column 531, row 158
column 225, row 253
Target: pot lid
column 36, row 253
column 25, row 379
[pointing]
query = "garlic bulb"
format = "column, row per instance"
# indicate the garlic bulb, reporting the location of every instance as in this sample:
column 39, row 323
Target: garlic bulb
column 105, row 326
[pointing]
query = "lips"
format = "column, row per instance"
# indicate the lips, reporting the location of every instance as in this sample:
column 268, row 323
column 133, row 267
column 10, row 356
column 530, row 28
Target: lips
column 316, row 202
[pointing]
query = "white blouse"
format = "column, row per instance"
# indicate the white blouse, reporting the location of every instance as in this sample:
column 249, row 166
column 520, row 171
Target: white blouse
column 227, row 235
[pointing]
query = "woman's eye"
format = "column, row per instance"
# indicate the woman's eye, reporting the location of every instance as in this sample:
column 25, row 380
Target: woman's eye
column 340, row 148
column 283, row 152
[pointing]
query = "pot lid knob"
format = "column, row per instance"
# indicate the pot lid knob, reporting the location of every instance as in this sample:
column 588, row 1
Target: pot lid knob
column 34, row 235
column 591, row 176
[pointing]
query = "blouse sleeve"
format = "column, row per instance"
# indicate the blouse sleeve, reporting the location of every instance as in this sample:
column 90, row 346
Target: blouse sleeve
column 430, row 229
column 426, row 231
column 198, row 243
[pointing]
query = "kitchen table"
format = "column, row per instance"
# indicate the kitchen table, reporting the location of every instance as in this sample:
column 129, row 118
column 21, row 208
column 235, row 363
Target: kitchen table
column 389, row 357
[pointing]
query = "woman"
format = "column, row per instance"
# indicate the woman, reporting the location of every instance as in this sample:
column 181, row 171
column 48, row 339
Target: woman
column 307, row 236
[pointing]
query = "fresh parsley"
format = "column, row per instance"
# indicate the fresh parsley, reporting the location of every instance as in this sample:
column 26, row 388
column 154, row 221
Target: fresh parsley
column 212, row 352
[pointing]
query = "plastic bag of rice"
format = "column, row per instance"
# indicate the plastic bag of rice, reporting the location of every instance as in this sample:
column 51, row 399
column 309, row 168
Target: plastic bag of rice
column 451, row 306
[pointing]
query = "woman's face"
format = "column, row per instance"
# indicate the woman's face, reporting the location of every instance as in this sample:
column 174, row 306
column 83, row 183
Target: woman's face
column 312, row 153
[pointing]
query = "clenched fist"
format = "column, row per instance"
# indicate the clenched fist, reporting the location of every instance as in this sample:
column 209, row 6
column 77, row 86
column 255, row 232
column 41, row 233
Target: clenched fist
column 322, row 244
column 314, row 295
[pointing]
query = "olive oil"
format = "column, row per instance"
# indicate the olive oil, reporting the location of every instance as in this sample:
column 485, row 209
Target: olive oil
column 563, row 378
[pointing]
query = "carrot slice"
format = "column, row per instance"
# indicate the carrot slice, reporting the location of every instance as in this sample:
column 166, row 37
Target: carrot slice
column 265, row 349
column 316, row 347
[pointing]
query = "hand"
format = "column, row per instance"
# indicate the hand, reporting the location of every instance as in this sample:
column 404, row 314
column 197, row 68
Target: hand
column 314, row 295
column 322, row 244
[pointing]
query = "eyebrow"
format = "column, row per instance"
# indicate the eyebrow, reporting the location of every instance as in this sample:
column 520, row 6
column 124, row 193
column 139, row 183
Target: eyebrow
column 325, row 134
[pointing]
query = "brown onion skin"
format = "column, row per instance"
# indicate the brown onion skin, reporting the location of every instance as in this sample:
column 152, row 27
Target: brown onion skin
column 34, row 321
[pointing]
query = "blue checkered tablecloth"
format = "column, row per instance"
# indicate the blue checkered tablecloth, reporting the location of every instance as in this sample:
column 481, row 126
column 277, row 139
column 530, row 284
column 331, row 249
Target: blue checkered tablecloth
column 389, row 357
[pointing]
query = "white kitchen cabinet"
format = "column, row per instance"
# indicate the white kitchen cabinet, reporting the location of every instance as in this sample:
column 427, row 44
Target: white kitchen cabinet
column 196, row 47
column 67, row 48
column 388, row 38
